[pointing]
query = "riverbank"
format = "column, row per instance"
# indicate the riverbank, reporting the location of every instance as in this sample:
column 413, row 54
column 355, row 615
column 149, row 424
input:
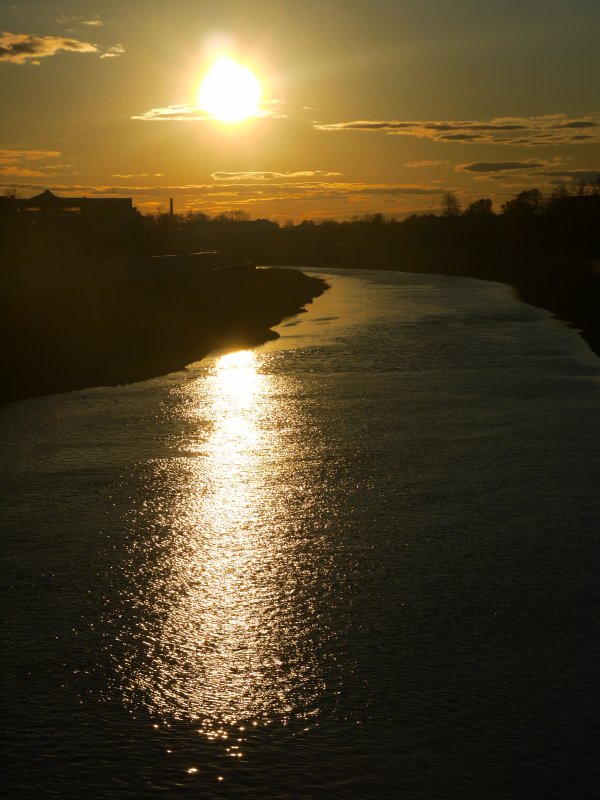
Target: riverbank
column 73, row 329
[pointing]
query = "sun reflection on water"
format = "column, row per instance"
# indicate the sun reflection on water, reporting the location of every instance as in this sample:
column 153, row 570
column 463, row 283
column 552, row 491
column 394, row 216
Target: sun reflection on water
column 224, row 632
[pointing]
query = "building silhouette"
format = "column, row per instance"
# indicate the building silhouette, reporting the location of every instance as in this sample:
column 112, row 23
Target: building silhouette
column 49, row 207
column 47, row 225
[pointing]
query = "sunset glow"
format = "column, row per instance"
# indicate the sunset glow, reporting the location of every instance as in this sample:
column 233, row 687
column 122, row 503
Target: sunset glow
column 229, row 92
column 299, row 113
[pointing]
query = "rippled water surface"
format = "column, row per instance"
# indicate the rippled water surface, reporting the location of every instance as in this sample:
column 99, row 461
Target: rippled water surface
column 360, row 561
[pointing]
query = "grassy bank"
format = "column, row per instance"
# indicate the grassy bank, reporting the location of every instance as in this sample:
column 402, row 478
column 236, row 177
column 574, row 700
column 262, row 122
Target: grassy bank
column 65, row 330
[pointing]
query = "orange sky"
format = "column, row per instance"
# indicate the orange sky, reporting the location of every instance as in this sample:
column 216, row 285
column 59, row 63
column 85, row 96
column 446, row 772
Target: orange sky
column 379, row 106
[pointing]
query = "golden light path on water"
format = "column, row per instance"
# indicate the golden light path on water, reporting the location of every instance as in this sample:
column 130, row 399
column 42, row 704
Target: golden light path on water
column 224, row 619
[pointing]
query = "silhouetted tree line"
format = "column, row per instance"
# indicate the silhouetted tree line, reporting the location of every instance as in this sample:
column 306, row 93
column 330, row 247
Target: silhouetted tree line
column 564, row 225
column 529, row 227
column 75, row 300
column 545, row 246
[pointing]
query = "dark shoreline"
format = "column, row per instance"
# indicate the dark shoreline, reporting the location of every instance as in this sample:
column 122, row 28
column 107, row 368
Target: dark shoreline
column 86, row 332
column 61, row 335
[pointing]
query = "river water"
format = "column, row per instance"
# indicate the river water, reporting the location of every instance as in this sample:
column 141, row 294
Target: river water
column 360, row 561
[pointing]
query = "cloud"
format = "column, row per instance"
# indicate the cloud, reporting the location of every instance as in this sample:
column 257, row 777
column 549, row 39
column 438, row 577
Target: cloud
column 175, row 113
column 249, row 193
column 91, row 22
column 500, row 166
column 522, row 179
column 417, row 164
column 10, row 156
column 22, row 172
column 285, row 199
column 183, row 112
column 114, row 52
column 139, row 175
column 553, row 129
column 572, row 175
column 268, row 176
column 16, row 48
column 19, row 163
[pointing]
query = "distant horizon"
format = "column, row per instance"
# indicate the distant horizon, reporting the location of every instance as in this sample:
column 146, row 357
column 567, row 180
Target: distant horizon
column 590, row 187
column 163, row 208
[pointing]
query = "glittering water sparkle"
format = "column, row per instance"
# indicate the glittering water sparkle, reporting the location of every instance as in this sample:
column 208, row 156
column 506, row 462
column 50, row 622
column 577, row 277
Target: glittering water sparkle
column 359, row 561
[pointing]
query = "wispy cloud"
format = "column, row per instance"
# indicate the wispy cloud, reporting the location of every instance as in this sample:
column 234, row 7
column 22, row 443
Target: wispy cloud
column 269, row 176
column 139, row 175
column 251, row 192
column 10, row 156
column 114, row 52
column 285, row 199
column 183, row 112
column 22, row 172
column 90, row 22
column 180, row 112
column 500, row 166
column 571, row 175
column 553, row 129
column 18, row 48
column 417, row 164
column 23, row 163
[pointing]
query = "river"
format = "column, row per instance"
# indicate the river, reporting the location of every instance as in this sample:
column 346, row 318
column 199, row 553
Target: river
column 360, row 561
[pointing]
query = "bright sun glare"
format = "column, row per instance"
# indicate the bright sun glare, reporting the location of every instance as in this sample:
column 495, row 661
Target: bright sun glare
column 229, row 92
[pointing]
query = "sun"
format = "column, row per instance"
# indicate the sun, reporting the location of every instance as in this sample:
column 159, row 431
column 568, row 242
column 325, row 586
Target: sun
column 229, row 92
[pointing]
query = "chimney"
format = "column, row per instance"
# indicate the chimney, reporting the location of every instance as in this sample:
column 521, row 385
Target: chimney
column 171, row 206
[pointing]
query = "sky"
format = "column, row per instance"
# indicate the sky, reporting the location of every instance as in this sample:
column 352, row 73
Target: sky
column 367, row 107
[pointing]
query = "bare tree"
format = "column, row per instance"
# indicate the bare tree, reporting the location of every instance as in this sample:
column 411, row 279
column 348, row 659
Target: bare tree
column 560, row 193
column 450, row 205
